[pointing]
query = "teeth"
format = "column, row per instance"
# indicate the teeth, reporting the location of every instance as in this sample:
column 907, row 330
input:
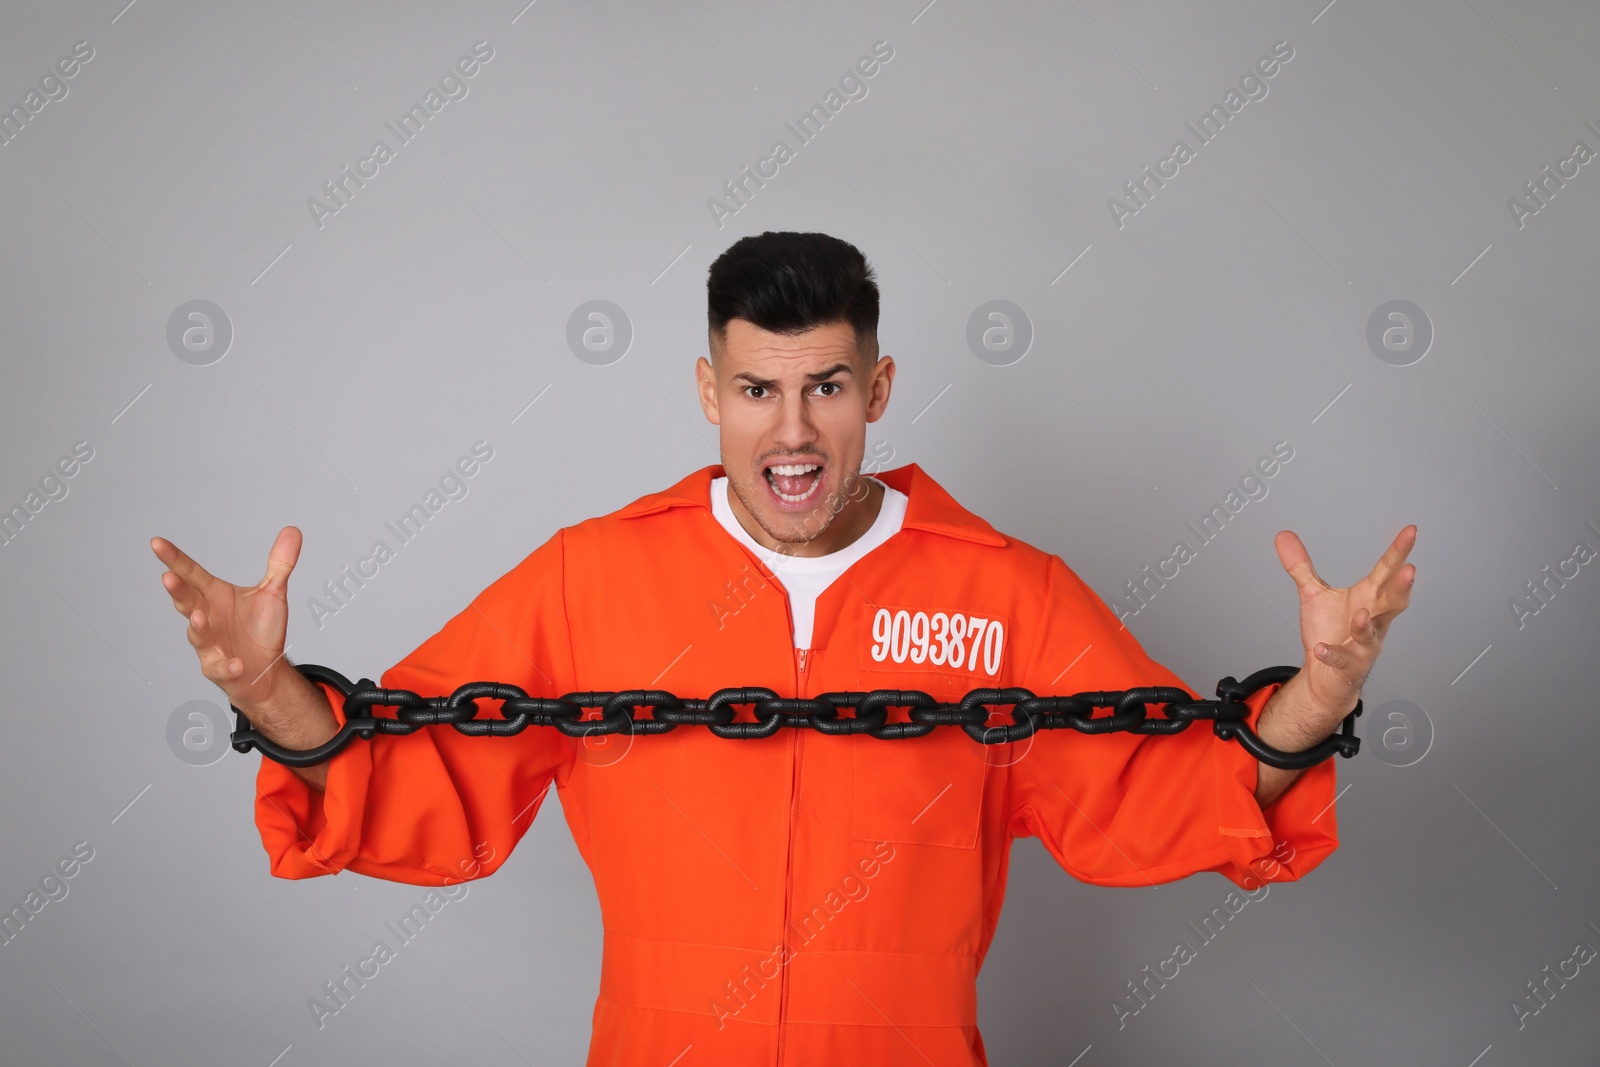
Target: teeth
column 793, row 470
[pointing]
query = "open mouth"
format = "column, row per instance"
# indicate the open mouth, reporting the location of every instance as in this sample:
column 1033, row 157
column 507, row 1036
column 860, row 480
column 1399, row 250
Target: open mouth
column 793, row 484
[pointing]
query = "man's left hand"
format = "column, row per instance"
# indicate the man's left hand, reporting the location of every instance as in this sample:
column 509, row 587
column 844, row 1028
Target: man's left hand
column 1342, row 630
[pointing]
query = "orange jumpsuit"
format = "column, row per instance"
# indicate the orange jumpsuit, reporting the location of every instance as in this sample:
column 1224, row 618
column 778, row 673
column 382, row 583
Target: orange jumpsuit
column 796, row 899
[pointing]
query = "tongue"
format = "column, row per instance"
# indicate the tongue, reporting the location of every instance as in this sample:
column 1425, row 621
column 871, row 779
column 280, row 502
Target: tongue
column 793, row 484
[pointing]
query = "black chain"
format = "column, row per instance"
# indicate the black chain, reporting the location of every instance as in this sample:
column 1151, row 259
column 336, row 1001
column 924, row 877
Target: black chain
column 620, row 715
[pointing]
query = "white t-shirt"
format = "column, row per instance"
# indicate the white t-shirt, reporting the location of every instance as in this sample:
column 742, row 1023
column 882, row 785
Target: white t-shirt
column 805, row 577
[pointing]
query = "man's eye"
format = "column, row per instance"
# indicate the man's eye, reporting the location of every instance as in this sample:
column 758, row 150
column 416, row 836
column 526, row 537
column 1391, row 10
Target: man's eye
column 748, row 391
column 829, row 385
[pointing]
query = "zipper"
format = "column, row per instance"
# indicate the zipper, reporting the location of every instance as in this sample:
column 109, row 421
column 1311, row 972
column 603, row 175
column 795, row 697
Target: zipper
column 795, row 742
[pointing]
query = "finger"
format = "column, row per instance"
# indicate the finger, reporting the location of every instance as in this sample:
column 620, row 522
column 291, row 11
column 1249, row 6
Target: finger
column 1395, row 596
column 1364, row 627
column 221, row 669
column 1372, row 635
column 181, row 564
column 1398, row 588
column 1339, row 660
column 185, row 597
column 199, row 631
column 217, row 665
column 281, row 559
column 1394, row 556
column 1297, row 561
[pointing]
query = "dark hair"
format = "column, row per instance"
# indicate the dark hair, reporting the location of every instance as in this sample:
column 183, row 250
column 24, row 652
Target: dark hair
column 788, row 283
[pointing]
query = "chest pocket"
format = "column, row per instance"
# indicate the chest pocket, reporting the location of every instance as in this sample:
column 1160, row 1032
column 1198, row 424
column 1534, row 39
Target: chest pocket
column 918, row 791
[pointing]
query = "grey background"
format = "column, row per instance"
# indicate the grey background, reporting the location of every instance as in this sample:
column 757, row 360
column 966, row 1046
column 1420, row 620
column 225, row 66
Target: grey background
column 368, row 355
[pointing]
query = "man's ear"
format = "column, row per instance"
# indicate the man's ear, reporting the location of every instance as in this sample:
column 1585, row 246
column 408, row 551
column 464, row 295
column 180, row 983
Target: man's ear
column 706, row 384
column 881, row 382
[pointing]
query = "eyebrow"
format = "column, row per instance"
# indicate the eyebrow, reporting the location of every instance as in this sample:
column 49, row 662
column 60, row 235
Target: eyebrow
column 815, row 376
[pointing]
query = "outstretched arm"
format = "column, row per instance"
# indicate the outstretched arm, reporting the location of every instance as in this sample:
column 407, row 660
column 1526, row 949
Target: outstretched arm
column 431, row 807
column 1140, row 809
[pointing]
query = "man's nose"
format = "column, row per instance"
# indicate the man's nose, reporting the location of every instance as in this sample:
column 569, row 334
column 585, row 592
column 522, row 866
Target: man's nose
column 795, row 427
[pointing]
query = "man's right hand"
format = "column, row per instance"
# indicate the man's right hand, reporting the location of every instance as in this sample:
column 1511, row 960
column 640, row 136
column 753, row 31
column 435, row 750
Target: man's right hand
column 238, row 632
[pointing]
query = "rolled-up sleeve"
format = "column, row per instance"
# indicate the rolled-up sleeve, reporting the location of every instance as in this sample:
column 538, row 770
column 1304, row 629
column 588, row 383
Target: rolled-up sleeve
column 436, row 806
column 1128, row 809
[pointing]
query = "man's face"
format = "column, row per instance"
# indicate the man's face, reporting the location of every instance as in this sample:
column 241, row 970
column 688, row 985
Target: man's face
column 793, row 412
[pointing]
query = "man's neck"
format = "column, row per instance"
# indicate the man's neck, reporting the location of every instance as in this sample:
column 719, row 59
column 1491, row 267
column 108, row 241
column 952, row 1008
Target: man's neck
column 848, row 526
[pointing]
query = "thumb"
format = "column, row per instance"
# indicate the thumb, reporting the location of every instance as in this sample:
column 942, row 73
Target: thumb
column 281, row 560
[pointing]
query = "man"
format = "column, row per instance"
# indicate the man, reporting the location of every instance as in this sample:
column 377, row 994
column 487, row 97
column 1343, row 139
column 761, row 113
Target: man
column 799, row 898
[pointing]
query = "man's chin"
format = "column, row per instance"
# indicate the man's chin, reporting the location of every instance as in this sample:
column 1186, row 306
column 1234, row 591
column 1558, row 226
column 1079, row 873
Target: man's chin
column 792, row 527
column 790, row 531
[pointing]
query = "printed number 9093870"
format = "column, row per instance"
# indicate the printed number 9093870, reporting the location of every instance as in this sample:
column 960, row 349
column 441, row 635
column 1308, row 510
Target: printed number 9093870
column 955, row 640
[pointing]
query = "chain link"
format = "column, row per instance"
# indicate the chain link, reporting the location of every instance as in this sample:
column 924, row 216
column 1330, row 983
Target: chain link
column 619, row 713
